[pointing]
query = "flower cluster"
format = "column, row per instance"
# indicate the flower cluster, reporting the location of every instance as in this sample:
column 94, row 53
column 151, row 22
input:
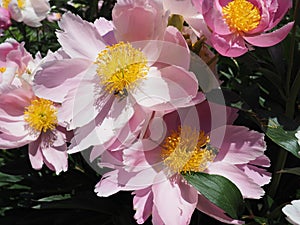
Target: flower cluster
column 30, row 12
column 126, row 91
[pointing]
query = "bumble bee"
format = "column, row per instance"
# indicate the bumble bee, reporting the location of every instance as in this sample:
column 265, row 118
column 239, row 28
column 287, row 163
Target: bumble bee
column 121, row 93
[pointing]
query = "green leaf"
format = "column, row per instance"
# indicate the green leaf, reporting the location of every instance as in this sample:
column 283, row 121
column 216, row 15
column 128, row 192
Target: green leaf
column 6, row 178
column 285, row 139
column 219, row 190
column 18, row 187
column 55, row 198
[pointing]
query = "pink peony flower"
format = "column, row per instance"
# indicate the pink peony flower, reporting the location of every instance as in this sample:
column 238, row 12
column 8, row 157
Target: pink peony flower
column 292, row 211
column 5, row 22
column 233, row 30
column 107, row 85
column 30, row 12
column 27, row 119
column 146, row 17
column 193, row 139
column 14, row 60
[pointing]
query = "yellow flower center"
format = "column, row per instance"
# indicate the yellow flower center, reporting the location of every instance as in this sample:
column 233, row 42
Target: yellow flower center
column 2, row 69
column 21, row 3
column 241, row 15
column 41, row 115
column 187, row 150
column 120, row 67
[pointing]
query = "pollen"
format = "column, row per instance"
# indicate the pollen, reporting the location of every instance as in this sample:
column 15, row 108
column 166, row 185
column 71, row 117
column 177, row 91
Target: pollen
column 2, row 69
column 187, row 150
column 41, row 115
column 241, row 15
column 120, row 67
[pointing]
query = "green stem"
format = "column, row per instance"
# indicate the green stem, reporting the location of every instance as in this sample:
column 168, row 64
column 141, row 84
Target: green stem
column 290, row 107
column 281, row 159
column 291, row 101
column 293, row 40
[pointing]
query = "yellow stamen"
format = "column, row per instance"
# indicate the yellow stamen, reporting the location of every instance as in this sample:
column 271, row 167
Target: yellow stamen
column 21, row 3
column 241, row 15
column 2, row 69
column 5, row 3
column 120, row 67
column 186, row 150
column 41, row 115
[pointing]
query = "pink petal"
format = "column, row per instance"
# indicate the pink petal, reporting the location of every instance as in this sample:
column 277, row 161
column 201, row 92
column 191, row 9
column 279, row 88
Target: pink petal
column 58, row 77
column 142, row 203
column 167, row 91
column 156, row 219
column 240, row 145
column 142, row 179
column 229, row 45
column 152, row 91
column 139, row 20
column 151, row 48
column 16, row 55
column 247, row 186
column 199, row 26
column 15, row 128
column 169, row 200
column 216, row 115
column 262, row 161
column 55, row 155
column 133, row 128
column 161, row 52
column 174, row 46
column 6, row 79
column 82, row 105
column 270, row 39
column 6, row 47
column 35, row 154
column 180, row 7
column 118, row 180
column 214, row 19
column 108, row 185
column 103, row 26
column 283, row 7
column 104, row 131
column 14, row 102
column 105, row 29
column 86, row 101
column 12, row 107
column 205, row 206
column 109, row 159
column 96, row 152
column 9, row 141
column 88, row 135
column 79, row 38
column 126, row 26
column 143, row 155
column 258, row 175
